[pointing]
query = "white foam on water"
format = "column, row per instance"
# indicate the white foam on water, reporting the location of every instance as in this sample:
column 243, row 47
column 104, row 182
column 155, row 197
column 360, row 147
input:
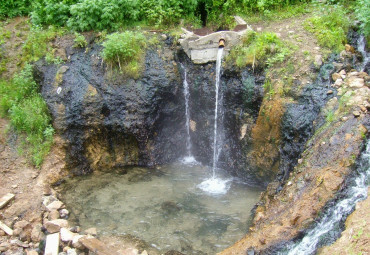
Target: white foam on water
column 215, row 186
column 189, row 160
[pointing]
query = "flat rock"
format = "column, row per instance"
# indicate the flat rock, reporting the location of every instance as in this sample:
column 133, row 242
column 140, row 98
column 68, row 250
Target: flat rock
column 55, row 205
column 354, row 82
column 97, row 246
column 6, row 199
column 76, row 241
column 66, row 235
column 54, row 226
column 52, row 244
column 19, row 243
column 53, row 215
column 32, row 252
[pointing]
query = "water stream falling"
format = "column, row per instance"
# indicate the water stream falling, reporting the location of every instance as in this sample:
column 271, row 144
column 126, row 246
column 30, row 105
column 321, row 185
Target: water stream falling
column 326, row 230
column 362, row 49
column 214, row 185
column 189, row 159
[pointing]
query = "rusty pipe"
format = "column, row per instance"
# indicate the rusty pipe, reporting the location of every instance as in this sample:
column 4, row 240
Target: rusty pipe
column 221, row 43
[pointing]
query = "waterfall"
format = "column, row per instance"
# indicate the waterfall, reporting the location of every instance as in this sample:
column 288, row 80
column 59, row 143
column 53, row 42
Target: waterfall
column 216, row 146
column 189, row 158
column 336, row 214
column 362, row 49
column 214, row 185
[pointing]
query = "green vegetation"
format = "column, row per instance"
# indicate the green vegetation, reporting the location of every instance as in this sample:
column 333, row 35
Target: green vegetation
column 362, row 14
column 330, row 27
column 125, row 50
column 37, row 44
column 80, row 41
column 330, row 116
column 12, row 8
column 28, row 114
column 258, row 49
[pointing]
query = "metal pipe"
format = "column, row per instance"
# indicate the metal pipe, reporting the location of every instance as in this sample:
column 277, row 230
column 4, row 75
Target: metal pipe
column 221, row 43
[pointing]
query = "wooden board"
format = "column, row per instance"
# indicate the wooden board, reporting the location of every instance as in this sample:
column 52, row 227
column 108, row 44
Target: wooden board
column 6, row 199
column 52, row 244
column 6, row 229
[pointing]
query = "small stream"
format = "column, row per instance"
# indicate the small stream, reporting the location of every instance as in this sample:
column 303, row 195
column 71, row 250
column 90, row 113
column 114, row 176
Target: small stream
column 328, row 227
column 162, row 206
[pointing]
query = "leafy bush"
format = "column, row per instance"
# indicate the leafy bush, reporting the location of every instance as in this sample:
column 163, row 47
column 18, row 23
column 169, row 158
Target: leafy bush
column 12, row 8
column 28, row 113
column 126, row 51
column 51, row 12
column 102, row 14
column 363, row 15
column 330, row 27
column 259, row 49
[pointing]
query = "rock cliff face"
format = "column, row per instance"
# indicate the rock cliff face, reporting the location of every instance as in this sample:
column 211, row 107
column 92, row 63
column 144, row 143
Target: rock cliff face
column 110, row 121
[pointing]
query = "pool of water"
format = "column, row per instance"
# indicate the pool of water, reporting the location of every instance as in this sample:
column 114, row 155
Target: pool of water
column 163, row 206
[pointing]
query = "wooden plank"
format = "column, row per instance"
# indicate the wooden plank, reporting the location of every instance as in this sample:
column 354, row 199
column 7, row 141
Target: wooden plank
column 6, row 229
column 52, row 244
column 6, row 199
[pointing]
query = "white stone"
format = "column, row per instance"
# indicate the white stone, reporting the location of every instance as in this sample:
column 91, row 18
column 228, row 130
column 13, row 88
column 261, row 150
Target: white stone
column 338, row 82
column 71, row 252
column 66, row 235
column 63, row 213
column 55, row 205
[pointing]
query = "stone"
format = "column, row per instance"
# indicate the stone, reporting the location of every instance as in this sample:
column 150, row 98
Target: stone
column 76, row 242
column 354, row 82
column 55, row 205
column 318, row 61
column 4, row 246
column 75, row 229
column 193, row 125
column 37, row 235
column 97, row 246
column 32, row 252
column 91, row 231
column 144, row 253
column 259, row 29
column 66, row 235
column 19, row 243
column 343, row 74
column 329, row 92
column 363, row 108
column 71, row 252
column 6, row 229
column 356, row 114
column 63, row 213
column 19, row 226
column 6, row 199
column 338, row 83
column 300, row 161
column 53, row 215
column 54, row 226
column 350, row 48
column 336, row 76
column 164, row 37
column 52, row 244
column 63, row 69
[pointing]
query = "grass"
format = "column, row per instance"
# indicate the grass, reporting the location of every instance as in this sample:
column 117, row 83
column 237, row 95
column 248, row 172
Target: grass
column 38, row 44
column 125, row 51
column 21, row 102
column 79, row 41
column 330, row 26
column 285, row 12
column 259, row 50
